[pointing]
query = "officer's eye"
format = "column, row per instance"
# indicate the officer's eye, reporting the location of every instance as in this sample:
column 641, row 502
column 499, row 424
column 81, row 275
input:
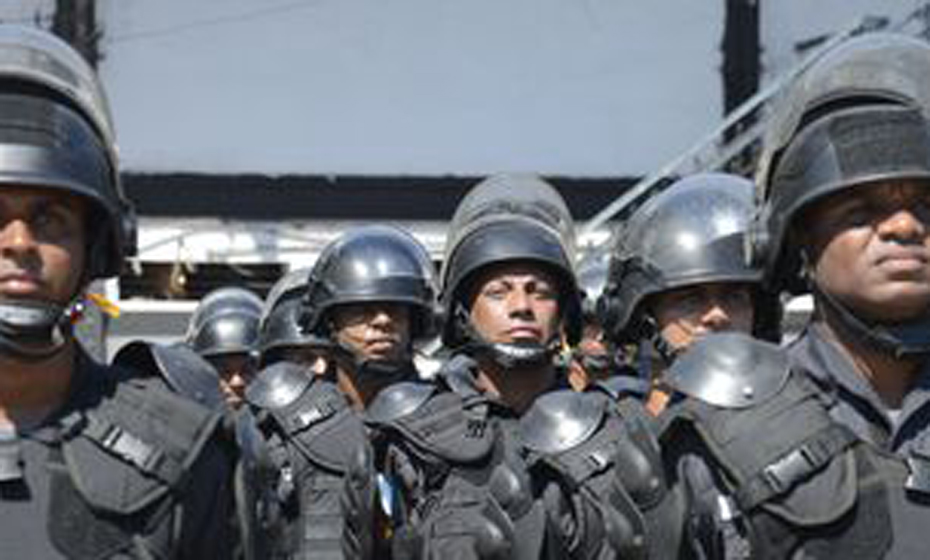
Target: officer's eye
column 52, row 222
column 692, row 300
column 737, row 297
column 921, row 208
column 495, row 291
column 855, row 212
column 542, row 290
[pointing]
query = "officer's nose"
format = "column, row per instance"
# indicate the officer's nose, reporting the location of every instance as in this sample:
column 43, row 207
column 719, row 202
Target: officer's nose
column 519, row 303
column 716, row 317
column 16, row 237
column 381, row 317
column 902, row 225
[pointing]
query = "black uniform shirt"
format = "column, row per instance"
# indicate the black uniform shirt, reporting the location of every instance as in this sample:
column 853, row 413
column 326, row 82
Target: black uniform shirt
column 858, row 406
column 26, row 503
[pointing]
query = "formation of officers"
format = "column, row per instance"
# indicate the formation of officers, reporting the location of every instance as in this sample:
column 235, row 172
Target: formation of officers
column 299, row 427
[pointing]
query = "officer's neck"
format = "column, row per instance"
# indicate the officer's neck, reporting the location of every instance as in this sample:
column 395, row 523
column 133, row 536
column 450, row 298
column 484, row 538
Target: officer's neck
column 891, row 378
column 514, row 388
column 359, row 392
column 30, row 391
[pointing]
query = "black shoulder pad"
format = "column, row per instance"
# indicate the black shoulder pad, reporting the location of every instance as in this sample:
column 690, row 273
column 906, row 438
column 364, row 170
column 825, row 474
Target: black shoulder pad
column 278, row 385
column 183, row 369
column 782, row 451
column 317, row 403
column 134, row 445
column 442, row 426
column 322, row 425
column 398, row 400
column 561, row 420
column 730, row 370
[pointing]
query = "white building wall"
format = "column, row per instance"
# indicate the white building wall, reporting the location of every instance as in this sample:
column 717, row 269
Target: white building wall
column 579, row 88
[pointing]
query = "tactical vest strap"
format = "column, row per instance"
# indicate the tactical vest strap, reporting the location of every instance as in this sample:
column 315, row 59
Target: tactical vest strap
column 784, row 473
column 131, row 449
column 323, row 407
column 321, row 516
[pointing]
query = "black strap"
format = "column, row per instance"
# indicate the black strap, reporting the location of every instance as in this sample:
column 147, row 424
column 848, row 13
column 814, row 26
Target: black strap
column 122, row 444
column 321, row 408
column 781, row 475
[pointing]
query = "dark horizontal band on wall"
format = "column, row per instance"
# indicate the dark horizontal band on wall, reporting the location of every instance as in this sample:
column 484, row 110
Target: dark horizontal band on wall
column 262, row 197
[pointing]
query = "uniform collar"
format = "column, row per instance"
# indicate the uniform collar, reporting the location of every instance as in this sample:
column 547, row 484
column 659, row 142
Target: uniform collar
column 824, row 359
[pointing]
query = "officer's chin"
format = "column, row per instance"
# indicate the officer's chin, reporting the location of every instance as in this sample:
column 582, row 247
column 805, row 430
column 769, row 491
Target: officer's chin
column 897, row 302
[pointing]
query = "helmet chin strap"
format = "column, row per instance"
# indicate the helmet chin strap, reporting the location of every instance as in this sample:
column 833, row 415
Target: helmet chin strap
column 33, row 330
column 666, row 351
column 368, row 369
column 903, row 340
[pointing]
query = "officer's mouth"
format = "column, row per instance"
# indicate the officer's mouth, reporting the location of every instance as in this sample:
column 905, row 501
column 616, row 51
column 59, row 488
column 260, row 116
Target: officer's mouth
column 524, row 334
column 382, row 345
column 20, row 284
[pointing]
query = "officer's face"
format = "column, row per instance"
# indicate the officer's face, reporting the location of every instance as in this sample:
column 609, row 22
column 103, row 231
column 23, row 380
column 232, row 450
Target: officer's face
column 236, row 371
column 374, row 331
column 687, row 313
column 516, row 303
column 42, row 244
column 870, row 248
column 593, row 358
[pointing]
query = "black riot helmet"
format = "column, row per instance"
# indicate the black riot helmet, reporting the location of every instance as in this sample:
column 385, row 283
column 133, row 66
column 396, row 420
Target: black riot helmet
column 856, row 117
column 692, row 233
column 508, row 218
column 225, row 322
column 56, row 133
column 279, row 328
column 372, row 264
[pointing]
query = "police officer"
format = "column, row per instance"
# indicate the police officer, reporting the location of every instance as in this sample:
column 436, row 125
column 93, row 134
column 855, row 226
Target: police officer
column 843, row 179
column 591, row 360
column 678, row 272
column 511, row 300
column 280, row 336
column 368, row 300
column 96, row 462
column 597, row 362
column 371, row 295
column 224, row 331
column 846, row 216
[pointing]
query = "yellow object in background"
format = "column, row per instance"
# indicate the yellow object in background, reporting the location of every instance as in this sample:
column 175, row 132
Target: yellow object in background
column 105, row 305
